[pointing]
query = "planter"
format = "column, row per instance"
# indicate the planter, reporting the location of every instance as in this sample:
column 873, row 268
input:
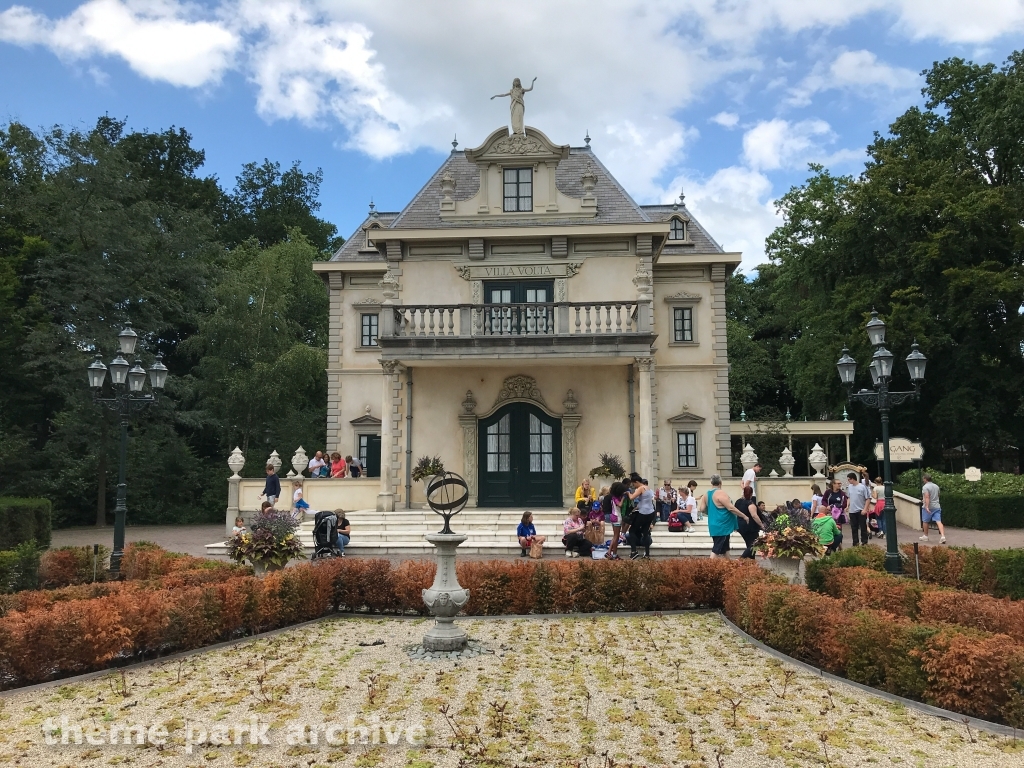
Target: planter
column 789, row 567
column 261, row 568
column 426, row 484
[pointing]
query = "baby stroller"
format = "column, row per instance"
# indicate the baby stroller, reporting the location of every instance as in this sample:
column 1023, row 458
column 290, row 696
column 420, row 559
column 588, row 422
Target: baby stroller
column 325, row 535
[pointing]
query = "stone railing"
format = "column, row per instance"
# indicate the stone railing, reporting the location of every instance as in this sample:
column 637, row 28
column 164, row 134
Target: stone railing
column 526, row 319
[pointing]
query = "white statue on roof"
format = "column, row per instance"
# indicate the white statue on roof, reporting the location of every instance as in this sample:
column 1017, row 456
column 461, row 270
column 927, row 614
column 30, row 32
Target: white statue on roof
column 518, row 105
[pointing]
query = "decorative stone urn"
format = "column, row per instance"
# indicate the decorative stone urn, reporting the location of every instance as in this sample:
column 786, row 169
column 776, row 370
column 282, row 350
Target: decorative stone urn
column 300, row 461
column 276, row 461
column 236, row 461
column 445, row 597
column 818, row 461
column 787, row 462
column 773, row 473
column 748, row 458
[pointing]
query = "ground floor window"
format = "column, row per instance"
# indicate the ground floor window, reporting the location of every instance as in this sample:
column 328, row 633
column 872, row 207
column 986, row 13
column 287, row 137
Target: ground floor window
column 686, row 450
column 369, row 454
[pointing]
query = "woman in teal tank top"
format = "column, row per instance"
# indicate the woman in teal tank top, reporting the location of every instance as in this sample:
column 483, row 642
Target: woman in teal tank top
column 721, row 519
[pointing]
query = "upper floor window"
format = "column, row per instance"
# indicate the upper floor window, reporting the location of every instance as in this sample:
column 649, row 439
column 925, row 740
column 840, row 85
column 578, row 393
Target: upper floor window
column 518, row 189
column 682, row 324
column 368, row 338
column 370, row 232
column 677, row 230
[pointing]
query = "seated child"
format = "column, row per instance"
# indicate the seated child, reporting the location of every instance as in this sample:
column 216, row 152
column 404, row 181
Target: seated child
column 825, row 528
column 239, row 526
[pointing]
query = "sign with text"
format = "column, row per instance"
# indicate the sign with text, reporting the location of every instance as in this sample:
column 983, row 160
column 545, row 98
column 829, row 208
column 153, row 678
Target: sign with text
column 972, row 474
column 901, row 450
column 516, row 271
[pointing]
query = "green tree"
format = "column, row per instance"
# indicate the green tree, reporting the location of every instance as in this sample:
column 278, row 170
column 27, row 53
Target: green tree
column 931, row 235
column 267, row 203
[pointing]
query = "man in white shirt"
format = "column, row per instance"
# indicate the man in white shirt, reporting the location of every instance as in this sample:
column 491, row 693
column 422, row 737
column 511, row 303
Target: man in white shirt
column 316, row 463
column 859, row 493
column 750, row 480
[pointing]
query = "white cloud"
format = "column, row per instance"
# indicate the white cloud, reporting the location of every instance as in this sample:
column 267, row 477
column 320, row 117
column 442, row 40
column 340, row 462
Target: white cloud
column 856, row 71
column 154, row 37
column 735, row 205
column 774, row 144
column 726, row 119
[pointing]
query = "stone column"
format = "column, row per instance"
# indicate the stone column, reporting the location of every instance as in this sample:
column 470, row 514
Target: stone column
column 386, row 496
column 723, row 437
column 470, row 446
column 335, row 345
column 645, row 365
column 570, row 470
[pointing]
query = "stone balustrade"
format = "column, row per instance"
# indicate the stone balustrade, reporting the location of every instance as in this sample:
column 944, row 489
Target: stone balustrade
column 516, row 319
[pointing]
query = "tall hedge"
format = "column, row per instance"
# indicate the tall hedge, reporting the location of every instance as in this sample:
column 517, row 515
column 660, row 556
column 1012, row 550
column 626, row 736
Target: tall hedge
column 24, row 520
column 985, row 513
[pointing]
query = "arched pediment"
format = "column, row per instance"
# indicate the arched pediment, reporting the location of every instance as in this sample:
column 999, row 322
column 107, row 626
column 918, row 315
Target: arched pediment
column 502, row 146
column 520, row 389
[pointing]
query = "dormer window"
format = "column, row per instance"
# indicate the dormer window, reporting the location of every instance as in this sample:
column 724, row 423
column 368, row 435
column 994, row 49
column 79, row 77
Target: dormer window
column 518, row 189
column 370, row 229
column 677, row 230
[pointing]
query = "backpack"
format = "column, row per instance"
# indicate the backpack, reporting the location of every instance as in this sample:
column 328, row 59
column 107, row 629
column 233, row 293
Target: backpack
column 675, row 525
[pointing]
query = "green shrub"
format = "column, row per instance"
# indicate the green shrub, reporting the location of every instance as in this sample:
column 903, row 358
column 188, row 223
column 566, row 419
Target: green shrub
column 1009, row 567
column 855, row 557
column 19, row 568
column 24, row 520
column 984, row 513
column 991, row 484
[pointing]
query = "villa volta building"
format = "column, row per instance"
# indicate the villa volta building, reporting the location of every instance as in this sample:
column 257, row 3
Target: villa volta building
column 520, row 316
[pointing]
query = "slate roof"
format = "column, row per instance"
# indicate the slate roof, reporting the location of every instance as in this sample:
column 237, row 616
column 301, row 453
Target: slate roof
column 702, row 241
column 614, row 206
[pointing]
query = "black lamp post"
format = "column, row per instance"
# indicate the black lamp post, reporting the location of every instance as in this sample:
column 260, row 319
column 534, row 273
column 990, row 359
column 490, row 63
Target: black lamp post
column 884, row 400
column 127, row 383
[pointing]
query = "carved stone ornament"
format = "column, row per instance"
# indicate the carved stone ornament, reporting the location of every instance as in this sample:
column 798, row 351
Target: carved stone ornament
column 389, row 284
column 447, row 184
column 684, row 296
column 390, row 367
column 275, row 459
column 520, row 387
column 645, row 364
column 469, row 404
column 300, row 461
column 787, row 462
column 588, row 179
column 464, row 271
column 748, row 458
column 572, row 268
column 569, row 404
column 519, row 144
column 642, row 279
column 236, row 461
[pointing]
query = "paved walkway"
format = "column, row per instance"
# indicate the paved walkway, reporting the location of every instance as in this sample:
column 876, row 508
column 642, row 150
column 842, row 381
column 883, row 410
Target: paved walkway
column 192, row 539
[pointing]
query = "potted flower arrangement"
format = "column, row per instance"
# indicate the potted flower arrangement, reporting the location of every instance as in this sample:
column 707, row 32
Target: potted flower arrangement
column 269, row 543
column 610, row 469
column 426, row 469
column 784, row 545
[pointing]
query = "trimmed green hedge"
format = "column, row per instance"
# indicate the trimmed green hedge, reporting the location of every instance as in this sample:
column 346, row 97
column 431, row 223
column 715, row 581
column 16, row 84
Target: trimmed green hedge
column 24, row 520
column 19, row 568
column 985, row 513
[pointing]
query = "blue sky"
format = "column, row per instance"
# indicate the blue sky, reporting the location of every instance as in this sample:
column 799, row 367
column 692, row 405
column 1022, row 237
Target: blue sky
column 729, row 100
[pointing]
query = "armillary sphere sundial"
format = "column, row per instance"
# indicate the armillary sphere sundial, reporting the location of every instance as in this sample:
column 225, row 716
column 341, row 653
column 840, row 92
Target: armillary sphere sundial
column 447, row 495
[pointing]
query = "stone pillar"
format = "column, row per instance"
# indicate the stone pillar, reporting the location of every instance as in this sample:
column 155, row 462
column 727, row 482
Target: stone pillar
column 386, row 496
column 335, row 345
column 470, row 447
column 235, row 463
column 645, row 365
column 723, row 436
column 570, row 470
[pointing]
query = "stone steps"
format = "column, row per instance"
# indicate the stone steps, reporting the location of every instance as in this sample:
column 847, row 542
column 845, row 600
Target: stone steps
column 490, row 532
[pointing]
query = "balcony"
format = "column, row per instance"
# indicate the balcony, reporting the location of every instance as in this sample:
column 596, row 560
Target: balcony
column 601, row 331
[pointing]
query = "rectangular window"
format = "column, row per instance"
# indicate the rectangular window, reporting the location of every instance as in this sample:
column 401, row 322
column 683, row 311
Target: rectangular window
column 364, row 446
column 499, row 445
column 369, row 331
column 682, row 324
column 518, row 189
column 686, row 450
column 541, row 446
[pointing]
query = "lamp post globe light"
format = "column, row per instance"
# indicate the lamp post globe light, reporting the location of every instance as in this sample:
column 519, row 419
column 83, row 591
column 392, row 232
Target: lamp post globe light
column 127, row 382
column 884, row 400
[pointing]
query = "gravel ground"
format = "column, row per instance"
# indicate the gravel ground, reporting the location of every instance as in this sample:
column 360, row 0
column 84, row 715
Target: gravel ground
column 678, row 690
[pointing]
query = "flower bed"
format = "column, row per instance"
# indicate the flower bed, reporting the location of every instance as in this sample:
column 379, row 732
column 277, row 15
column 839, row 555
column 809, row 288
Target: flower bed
column 952, row 649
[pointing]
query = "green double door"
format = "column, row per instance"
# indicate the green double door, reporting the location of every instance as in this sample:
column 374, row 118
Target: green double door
column 520, row 458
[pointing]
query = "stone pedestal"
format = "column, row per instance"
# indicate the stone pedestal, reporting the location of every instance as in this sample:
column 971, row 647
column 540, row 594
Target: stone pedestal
column 445, row 597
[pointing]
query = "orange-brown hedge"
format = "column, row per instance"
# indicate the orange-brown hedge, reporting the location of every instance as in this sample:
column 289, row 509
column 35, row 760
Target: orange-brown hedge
column 978, row 671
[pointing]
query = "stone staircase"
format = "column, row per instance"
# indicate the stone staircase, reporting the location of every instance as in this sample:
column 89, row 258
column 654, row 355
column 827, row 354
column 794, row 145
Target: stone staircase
column 490, row 531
